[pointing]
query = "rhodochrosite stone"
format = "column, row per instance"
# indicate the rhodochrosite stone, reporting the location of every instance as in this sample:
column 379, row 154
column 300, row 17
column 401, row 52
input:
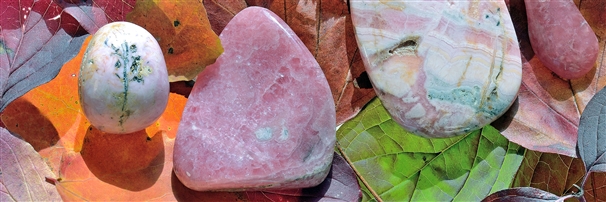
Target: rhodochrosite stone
column 261, row 117
column 561, row 37
column 441, row 68
column 123, row 83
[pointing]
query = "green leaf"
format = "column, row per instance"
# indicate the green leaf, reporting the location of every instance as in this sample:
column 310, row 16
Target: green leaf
column 398, row 165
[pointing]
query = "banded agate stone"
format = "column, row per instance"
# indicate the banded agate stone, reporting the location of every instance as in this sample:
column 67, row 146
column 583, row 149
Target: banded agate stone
column 261, row 117
column 441, row 68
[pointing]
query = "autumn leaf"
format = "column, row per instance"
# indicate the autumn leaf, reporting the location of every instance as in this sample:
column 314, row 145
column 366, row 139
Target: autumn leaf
column 394, row 164
column 595, row 187
column 325, row 28
column 547, row 114
column 593, row 11
column 554, row 173
column 36, row 39
column 558, row 174
column 183, row 32
column 23, row 172
column 92, row 15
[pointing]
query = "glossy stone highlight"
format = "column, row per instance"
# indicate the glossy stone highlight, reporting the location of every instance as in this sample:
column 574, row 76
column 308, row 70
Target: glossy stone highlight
column 561, row 38
column 261, row 117
column 441, row 68
column 123, row 83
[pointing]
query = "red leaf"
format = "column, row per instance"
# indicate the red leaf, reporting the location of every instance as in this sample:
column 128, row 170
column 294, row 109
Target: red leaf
column 92, row 15
column 325, row 28
column 23, row 172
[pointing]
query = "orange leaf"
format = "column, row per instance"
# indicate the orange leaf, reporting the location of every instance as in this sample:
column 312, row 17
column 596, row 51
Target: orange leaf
column 183, row 32
column 325, row 28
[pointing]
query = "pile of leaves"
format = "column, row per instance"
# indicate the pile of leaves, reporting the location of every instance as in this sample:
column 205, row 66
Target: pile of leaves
column 550, row 144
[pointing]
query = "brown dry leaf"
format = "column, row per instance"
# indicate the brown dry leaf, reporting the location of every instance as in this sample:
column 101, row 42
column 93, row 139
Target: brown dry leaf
column 557, row 174
column 183, row 32
column 594, row 12
column 325, row 28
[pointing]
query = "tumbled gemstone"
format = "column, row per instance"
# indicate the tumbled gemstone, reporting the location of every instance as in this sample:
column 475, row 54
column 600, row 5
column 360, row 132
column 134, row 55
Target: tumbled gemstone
column 561, row 38
column 123, row 82
column 441, row 68
column 261, row 117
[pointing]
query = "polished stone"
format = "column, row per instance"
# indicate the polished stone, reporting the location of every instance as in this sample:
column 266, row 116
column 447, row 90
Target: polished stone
column 261, row 117
column 123, row 82
column 561, row 38
column 441, row 68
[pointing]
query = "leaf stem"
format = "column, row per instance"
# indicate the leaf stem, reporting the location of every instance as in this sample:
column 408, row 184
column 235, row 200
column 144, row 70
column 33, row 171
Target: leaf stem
column 373, row 192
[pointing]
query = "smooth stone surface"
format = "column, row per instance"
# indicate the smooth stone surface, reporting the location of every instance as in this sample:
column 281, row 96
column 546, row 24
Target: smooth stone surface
column 123, row 83
column 261, row 117
column 561, row 38
column 441, row 68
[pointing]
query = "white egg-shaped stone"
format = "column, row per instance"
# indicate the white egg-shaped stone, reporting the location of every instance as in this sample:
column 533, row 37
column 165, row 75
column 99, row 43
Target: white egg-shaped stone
column 123, row 82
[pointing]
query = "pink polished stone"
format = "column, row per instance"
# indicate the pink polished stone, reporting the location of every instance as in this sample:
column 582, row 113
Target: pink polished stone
column 561, row 38
column 261, row 117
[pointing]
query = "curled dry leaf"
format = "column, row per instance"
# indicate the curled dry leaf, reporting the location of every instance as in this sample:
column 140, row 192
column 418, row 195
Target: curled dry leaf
column 23, row 172
column 325, row 28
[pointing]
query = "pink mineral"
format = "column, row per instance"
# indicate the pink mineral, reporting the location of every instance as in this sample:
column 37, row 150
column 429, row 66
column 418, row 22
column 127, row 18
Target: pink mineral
column 561, row 38
column 261, row 117
column 440, row 68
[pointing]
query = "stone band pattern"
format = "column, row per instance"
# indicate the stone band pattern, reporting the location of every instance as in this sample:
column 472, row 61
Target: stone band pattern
column 441, row 68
